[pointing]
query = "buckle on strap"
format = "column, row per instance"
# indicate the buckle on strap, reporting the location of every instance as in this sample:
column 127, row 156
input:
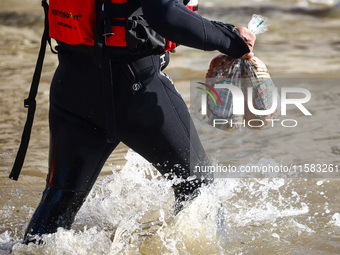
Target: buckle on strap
column 108, row 34
column 29, row 103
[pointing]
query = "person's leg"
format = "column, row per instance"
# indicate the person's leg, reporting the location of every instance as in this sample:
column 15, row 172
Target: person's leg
column 78, row 150
column 156, row 123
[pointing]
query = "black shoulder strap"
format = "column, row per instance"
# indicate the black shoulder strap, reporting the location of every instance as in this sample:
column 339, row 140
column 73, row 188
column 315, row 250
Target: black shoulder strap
column 30, row 102
column 102, row 59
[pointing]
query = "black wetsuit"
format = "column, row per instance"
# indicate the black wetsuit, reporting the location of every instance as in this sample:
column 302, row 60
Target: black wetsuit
column 150, row 115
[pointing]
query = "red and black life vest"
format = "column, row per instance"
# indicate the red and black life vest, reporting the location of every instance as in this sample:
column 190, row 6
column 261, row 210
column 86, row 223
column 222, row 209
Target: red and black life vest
column 74, row 23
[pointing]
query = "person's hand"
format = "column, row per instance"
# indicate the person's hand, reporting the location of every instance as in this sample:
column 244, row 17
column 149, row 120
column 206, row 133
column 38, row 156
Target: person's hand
column 249, row 38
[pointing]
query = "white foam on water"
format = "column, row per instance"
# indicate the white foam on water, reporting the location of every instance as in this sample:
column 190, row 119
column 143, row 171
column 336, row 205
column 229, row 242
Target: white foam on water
column 336, row 219
column 319, row 183
column 130, row 212
column 6, row 242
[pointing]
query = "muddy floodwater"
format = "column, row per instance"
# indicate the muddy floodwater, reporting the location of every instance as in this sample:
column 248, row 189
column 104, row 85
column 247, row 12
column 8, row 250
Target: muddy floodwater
column 129, row 208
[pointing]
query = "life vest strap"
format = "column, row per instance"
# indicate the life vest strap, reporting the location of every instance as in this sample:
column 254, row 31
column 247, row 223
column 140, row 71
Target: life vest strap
column 122, row 10
column 118, row 22
column 108, row 92
column 30, row 102
column 130, row 23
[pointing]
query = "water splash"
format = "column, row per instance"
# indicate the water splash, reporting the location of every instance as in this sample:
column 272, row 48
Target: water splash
column 130, row 212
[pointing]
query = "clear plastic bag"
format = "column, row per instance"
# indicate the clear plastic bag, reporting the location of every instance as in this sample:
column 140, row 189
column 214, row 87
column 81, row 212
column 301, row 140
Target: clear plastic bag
column 258, row 24
column 243, row 74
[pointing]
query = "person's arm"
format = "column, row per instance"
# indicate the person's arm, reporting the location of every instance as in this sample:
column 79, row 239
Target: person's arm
column 177, row 23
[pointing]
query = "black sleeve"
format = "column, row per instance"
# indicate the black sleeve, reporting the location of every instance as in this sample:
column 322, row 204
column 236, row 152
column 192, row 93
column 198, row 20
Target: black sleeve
column 177, row 23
